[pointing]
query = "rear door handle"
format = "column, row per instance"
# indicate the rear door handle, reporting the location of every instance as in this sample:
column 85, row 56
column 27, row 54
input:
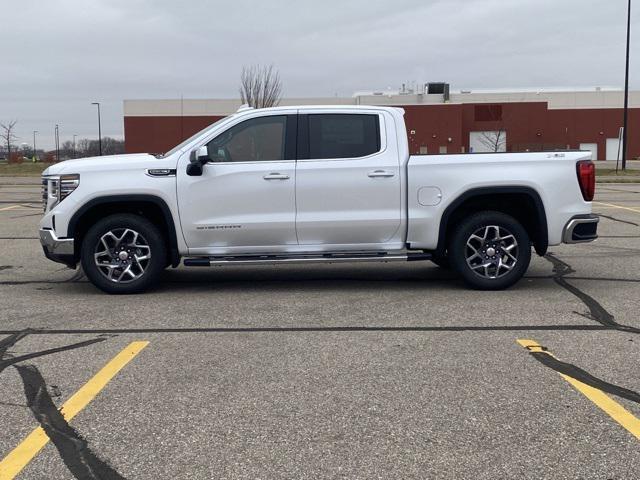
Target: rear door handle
column 276, row 176
column 380, row 173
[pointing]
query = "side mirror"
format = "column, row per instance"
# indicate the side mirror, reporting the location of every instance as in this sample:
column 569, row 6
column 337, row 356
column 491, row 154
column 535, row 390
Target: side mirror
column 198, row 158
column 202, row 154
column 194, row 169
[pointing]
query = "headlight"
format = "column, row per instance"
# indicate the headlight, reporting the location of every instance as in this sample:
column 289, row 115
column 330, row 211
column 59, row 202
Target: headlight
column 67, row 184
column 56, row 188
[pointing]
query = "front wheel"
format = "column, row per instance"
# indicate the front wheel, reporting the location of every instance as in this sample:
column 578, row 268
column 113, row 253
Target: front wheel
column 490, row 250
column 123, row 253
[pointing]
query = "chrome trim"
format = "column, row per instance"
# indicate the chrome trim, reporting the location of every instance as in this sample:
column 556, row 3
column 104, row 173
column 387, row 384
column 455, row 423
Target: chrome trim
column 220, row 261
column 160, row 172
column 55, row 245
column 381, row 173
column 567, row 234
column 276, row 176
column 50, row 186
column 382, row 132
column 259, row 162
column 44, row 190
column 55, row 188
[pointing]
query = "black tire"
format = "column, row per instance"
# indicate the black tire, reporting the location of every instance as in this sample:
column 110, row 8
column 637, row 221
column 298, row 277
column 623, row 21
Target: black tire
column 503, row 271
column 149, row 240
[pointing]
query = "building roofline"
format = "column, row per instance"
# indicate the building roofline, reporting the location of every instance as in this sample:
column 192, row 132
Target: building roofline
column 555, row 99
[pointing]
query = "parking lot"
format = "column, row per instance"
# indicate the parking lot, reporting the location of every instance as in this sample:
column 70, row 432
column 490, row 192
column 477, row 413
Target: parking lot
column 328, row 371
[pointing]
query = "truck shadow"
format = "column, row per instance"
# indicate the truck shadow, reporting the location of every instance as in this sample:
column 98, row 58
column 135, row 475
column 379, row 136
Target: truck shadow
column 327, row 278
column 298, row 278
column 356, row 277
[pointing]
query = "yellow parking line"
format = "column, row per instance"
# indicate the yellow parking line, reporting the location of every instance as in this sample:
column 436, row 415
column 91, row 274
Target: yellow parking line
column 618, row 206
column 17, row 459
column 9, row 208
column 601, row 399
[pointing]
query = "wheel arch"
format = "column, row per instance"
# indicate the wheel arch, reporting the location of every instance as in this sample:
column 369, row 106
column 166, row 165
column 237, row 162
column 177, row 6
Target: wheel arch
column 149, row 206
column 523, row 203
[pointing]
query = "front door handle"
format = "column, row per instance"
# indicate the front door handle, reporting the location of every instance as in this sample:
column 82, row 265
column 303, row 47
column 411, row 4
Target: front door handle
column 276, row 176
column 381, row 173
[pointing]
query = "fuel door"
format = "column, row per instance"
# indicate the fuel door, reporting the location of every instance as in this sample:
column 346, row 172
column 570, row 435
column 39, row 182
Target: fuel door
column 429, row 196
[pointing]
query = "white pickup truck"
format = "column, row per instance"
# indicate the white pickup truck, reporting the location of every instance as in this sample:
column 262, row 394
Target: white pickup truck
column 312, row 184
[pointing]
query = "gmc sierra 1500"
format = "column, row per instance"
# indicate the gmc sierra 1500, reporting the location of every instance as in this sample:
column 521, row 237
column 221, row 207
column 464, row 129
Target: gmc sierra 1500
column 312, row 184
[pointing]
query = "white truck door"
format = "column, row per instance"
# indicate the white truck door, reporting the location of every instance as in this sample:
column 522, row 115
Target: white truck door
column 348, row 193
column 245, row 198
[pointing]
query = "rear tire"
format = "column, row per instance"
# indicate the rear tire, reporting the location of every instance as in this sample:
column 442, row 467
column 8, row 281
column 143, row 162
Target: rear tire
column 123, row 254
column 490, row 250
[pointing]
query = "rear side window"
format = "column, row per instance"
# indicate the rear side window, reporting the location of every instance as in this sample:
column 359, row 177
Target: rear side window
column 343, row 135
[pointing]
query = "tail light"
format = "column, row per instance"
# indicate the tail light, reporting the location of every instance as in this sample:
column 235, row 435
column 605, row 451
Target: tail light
column 587, row 179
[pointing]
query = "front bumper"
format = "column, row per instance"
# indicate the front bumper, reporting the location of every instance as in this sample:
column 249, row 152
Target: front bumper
column 580, row 229
column 59, row 250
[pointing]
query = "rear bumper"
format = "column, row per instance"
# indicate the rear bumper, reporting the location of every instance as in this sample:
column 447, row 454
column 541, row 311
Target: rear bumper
column 59, row 250
column 580, row 229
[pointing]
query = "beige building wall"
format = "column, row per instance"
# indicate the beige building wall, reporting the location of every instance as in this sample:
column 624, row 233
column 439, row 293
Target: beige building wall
column 221, row 106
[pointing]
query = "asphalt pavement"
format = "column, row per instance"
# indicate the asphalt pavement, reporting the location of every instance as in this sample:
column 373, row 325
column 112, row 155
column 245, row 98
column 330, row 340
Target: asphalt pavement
column 324, row 371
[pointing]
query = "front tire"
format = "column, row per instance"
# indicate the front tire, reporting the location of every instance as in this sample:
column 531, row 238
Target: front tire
column 490, row 250
column 123, row 253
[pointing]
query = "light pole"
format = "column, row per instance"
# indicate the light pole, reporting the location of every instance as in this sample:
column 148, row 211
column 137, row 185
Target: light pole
column 99, row 128
column 74, row 145
column 34, row 145
column 626, row 92
column 57, row 140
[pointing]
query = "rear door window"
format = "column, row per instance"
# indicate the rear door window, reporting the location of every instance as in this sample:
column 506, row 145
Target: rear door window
column 343, row 135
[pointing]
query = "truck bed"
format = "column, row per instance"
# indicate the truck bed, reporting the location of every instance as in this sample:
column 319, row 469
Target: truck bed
column 435, row 181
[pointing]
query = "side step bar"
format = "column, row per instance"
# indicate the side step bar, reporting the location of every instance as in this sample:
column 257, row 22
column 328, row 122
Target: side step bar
column 294, row 259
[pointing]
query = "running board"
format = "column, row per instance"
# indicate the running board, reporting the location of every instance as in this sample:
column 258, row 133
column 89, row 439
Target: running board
column 293, row 259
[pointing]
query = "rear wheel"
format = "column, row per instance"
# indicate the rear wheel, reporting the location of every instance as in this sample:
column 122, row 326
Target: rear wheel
column 123, row 254
column 490, row 250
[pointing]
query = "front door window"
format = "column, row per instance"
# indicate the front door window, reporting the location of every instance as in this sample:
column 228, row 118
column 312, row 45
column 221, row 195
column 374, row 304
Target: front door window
column 256, row 140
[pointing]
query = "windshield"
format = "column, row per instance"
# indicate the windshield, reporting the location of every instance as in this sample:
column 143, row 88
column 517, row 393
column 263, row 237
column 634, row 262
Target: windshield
column 180, row 146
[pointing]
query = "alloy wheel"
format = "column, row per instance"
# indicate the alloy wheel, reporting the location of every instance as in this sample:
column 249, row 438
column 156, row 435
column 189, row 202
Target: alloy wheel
column 122, row 255
column 491, row 251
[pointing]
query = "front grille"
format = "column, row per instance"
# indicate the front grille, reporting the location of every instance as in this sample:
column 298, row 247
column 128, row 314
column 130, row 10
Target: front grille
column 45, row 193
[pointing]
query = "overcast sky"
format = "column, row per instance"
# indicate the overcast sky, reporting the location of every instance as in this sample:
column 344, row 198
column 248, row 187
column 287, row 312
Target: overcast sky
column 59, row 56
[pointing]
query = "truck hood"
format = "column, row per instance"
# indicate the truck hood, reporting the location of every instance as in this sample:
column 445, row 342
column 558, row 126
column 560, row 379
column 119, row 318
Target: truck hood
column 108, row 162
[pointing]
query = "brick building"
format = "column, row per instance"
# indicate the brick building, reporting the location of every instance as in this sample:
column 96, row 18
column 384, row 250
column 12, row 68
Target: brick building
column 443, row 122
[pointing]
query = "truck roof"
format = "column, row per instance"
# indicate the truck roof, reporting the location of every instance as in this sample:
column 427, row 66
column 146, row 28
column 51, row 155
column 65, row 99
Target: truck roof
column 246, row 108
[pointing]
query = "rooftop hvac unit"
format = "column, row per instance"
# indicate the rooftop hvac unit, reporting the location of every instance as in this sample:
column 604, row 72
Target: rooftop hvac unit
column 438, row 88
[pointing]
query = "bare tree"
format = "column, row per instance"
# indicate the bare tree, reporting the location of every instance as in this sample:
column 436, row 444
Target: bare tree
column 494, row 138
column 8, row 136
column 110, row 146
column 494, row 141
column 83, row 146
column 260, row 87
